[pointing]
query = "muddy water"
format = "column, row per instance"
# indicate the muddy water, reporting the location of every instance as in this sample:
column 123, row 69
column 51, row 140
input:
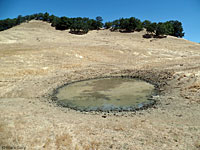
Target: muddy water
column 106, row 94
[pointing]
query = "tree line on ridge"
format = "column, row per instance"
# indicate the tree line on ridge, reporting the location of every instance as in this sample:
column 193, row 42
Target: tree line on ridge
column 84, row 25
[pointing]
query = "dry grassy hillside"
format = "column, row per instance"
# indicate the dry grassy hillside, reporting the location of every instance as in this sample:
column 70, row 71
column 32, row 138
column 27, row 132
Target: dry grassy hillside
column 35, row 59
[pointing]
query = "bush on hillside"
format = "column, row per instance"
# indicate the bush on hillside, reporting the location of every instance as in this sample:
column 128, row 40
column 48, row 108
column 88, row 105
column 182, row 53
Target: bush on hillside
column 108, row 25
column 173, row 28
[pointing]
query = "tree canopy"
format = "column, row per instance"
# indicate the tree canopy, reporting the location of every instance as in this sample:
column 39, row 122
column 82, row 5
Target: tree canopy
column 173, row 28
column 83, row 25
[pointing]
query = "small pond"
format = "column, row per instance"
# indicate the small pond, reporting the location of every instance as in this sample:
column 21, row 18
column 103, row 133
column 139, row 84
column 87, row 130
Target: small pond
column 106, row 94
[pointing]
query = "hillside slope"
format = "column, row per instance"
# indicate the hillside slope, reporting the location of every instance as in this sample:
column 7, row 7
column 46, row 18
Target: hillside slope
column 35, row 59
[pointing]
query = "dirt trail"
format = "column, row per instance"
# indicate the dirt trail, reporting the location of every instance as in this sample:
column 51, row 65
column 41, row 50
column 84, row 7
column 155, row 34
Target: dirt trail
column 35, row 59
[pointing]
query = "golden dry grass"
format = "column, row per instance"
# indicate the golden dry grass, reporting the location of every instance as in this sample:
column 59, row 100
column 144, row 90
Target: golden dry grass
column 35, row 58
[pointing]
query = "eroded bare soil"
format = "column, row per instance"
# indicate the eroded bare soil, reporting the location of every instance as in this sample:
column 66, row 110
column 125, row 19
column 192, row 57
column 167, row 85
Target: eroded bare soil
column 35, row 59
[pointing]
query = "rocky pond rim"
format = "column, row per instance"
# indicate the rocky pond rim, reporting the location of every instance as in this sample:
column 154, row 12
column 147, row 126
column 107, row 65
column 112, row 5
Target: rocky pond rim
column 157, row 78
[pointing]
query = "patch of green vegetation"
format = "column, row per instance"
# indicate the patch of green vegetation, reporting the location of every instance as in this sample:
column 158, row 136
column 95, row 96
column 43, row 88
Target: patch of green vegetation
column 173, row 28
column 84, row 25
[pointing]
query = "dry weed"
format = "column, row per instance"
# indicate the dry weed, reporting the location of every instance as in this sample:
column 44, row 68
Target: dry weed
column 94, row 145
column 64, row 142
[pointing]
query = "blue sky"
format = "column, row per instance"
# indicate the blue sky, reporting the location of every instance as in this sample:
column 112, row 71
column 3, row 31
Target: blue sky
column 186, row 11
